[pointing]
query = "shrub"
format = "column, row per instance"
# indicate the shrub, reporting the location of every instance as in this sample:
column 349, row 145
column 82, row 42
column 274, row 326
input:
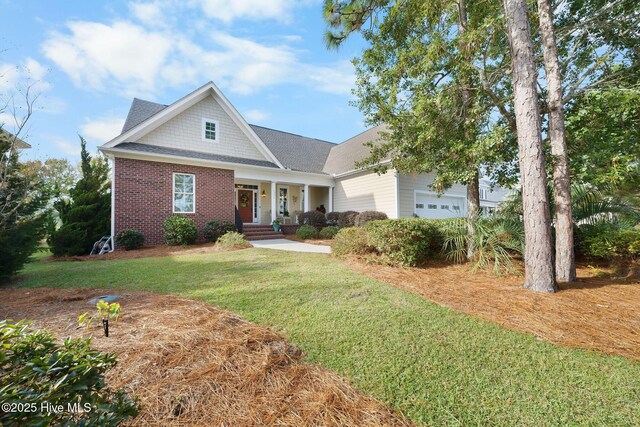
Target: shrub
column 70, row 239
column 233, row 240
column 314, row 218
column 329, row 232
column 405, row 241
column 36, row 369
column 130, row 239
column 351, row 241
column 179, row 230
column 307, row 232
column 608, row 241
column 364, row 217
column 347, row 219
column 213, row 230
column 333, row 218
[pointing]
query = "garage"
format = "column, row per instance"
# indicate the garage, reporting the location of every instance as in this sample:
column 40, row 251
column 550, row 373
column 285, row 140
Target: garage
column 429, row 205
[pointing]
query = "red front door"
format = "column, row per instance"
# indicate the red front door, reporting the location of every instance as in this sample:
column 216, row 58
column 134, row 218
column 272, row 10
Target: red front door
column 245, row 205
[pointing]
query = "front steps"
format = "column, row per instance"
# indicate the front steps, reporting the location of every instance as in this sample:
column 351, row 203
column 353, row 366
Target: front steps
column 261, row 232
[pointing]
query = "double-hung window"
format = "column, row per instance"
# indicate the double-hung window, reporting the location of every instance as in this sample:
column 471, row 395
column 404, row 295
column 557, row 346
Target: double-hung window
column 184, row 193
column 210, row 130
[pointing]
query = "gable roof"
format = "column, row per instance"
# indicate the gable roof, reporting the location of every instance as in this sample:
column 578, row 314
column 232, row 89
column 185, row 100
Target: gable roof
column 6, row 136
column 296, row 152
column 140, row 111
column 343, row 157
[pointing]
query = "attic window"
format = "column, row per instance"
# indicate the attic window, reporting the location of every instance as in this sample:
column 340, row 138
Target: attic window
column 210, row 130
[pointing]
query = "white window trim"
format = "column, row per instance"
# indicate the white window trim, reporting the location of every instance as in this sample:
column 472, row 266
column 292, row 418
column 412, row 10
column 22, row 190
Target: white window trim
column 433, row 193
column 204, row 122
column 173, row 193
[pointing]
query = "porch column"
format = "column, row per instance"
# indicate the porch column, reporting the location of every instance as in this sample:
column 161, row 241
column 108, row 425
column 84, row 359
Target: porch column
column 306, row 198
column 330, row 199
column 273, row 201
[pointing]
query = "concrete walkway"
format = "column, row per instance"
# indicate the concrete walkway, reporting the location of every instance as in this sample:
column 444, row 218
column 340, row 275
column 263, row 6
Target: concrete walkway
column 290, row 245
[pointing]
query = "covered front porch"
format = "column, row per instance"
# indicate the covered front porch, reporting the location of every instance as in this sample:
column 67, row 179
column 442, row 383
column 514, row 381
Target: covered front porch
column 261, row 202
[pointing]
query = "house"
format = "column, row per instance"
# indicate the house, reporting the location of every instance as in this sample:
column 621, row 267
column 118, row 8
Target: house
column 200, row 158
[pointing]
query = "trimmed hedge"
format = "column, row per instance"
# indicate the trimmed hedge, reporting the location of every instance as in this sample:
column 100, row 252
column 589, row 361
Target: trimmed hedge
column 179, row 230
column 351, row 241
column 367, row 216
column 213, row 230
column 333, row 218
column 347, row 219
column 405, row 241
column 314, row 218
column 129, row 239
column 608, row 241
column 329, row 232
column 307, row 232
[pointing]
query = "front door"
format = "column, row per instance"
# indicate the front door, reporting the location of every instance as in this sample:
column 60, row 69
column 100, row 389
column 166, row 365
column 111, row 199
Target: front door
column 245, row 205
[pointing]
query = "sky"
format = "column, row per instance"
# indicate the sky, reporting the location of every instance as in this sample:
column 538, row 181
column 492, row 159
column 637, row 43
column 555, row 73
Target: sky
column 86, row 60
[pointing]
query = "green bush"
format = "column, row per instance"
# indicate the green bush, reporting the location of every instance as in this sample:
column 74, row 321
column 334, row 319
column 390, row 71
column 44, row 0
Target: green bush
column 36, row 370
column 314, row 218
column 307, row 232
column 405, row 241
column 608, row 241
column 233, row 240
column 17, row 242
column 329, row 232
column 213, row 230
column 130, row 239
column 70, row 239
column 367, row 216
column 351, row 241
column 179, row 230
column 347, row 219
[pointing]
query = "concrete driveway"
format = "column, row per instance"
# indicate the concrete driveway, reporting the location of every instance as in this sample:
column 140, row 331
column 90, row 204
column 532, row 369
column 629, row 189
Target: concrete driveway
column 290, row 245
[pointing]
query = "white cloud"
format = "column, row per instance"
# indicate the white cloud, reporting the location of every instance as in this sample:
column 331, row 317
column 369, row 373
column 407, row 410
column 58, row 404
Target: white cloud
column 133, row 60
column 256, row 115
column 151, row 14
column 28, row 73
column 256, row 10
column 103, row 129
column 66, row 147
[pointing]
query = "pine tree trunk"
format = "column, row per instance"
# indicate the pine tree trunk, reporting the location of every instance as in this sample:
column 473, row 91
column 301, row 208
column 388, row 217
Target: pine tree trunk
column 565, row 258
column 473, row 186
column 538, row 256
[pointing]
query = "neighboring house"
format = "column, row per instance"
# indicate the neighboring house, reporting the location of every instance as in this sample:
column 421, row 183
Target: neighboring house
column 18, row 144
column 199, row 157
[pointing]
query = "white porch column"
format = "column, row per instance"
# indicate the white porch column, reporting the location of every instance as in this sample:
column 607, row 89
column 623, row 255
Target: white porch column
column 330, row 199
column 306, row 198
column 274, row 205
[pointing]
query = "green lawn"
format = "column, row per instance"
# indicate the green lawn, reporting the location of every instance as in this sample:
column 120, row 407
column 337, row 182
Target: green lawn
column 435, row 365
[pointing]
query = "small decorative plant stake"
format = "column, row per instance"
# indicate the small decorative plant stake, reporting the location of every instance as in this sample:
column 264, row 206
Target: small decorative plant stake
column 105, row 311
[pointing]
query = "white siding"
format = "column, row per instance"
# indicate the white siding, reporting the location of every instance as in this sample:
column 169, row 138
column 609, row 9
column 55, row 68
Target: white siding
column 408, row 184
column 185, row 132
column 366, row 191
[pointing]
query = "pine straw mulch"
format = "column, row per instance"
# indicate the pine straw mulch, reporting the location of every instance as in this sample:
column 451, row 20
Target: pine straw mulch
column 191, row 363
column 148, row 251
column 594, row 312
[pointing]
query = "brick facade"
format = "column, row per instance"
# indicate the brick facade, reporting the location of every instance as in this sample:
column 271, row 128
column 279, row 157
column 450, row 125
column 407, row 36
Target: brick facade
column 144, row 196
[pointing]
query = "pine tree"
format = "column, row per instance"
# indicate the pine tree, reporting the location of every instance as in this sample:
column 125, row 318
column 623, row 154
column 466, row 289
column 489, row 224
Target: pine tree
column 86, row 217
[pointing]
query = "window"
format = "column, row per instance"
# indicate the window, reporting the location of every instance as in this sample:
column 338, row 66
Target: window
column 483, row 194
column 456, row 208
column 210, row 130
column 419, row 205
column 184, row 193
column 432, row 206
column 283, row 201
column 444, row 206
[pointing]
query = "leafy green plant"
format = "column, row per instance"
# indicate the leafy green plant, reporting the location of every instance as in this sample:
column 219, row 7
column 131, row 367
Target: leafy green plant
column 307, row 232
column 351, row 241
column 105, row 311
column 329, row 232
column 347, row 219
column 608, row 241
column 405, row 241
column 213, row 230
column 179, row 230
column 129, row 239
column 367, row 216
column 37, row 370
column 496, row 241
column 233, row 240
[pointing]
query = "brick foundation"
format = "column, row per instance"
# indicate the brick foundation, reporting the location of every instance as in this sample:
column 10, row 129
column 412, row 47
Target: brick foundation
column 144, row 196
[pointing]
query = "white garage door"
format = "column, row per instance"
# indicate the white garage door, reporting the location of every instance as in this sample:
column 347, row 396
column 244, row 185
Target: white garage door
column 434, row 207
